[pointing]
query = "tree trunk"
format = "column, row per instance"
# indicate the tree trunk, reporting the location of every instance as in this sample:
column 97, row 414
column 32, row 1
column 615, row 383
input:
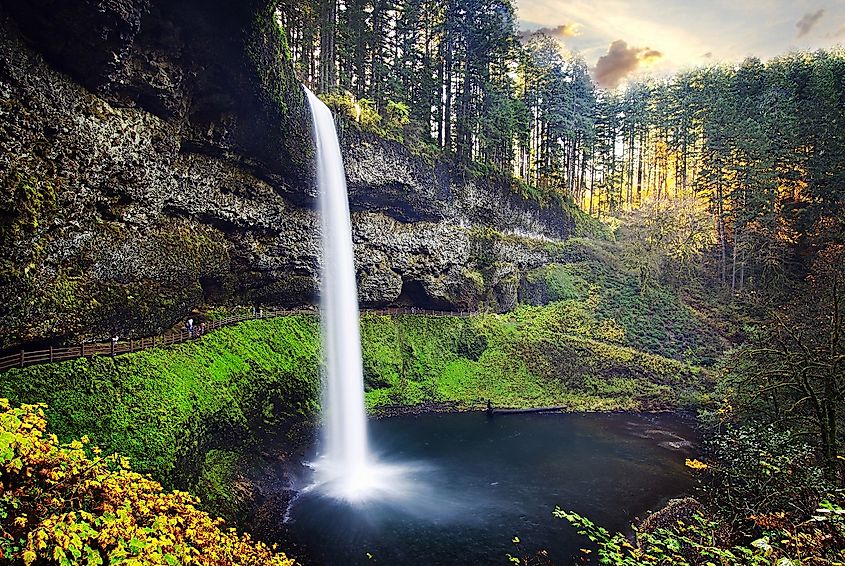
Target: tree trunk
column 640, row 171
column 723, row 243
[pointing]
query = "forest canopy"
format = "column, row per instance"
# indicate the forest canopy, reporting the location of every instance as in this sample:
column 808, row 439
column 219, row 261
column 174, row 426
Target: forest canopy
column 759, row 143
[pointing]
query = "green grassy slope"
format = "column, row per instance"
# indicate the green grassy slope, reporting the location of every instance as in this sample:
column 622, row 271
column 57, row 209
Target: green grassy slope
column 165, row 407
column 515, row 361
column 601, row 299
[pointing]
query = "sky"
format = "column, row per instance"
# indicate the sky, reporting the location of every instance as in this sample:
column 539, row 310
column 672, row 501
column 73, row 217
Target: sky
column 622, row 39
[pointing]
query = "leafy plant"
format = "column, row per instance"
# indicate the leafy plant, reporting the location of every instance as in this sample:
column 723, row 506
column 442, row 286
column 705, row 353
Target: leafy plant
column 69, row 504
column 698, row 542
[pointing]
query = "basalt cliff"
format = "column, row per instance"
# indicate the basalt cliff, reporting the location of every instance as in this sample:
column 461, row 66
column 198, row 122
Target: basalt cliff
column 157, row 156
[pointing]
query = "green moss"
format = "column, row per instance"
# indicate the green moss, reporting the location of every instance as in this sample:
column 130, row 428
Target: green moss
column 182, row 413
column 282, row 38
column 41, row 298
column 24, row 204
column 604, row 301
column 476, row 278
column 528, row 358
column 560, row 283
column 548, row 197
column 217, row 475
column 160, row 406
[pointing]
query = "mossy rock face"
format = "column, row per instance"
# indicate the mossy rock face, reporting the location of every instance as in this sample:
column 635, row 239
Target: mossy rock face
column 124, row 219
column 124, row 280
column 220, row 69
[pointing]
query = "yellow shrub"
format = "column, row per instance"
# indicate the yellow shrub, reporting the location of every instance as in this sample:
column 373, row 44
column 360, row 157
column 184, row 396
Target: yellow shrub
column 59, row 504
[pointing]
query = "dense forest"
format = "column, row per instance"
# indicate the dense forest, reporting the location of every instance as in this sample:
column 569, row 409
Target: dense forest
column 529, row 234
column 756, row 145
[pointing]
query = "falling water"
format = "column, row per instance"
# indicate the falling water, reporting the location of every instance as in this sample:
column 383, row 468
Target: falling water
column 345, row 470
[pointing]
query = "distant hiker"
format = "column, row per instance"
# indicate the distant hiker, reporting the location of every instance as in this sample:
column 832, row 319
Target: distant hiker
column 489, row 408
column 253, row 310
column 202, row 328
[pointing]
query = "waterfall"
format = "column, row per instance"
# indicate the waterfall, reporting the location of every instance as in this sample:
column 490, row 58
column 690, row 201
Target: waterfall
column 344, row 465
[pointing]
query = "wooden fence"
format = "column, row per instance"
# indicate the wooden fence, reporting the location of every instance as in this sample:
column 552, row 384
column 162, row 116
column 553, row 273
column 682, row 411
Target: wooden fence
column 88, row 349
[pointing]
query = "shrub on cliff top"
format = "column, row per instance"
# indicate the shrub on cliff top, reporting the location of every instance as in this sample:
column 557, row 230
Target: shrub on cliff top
column 68, row 504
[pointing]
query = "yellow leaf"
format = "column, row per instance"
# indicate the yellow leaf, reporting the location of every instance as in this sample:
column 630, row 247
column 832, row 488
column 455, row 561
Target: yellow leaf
column 695, row 464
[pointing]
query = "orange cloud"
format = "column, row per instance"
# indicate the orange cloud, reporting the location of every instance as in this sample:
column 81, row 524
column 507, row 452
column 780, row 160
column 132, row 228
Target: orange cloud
column 559, row 32
column 620, row 61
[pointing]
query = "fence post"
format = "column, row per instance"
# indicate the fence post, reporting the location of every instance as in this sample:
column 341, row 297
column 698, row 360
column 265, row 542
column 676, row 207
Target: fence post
column 113, row 343
column 51, row 354
column 23, row 356
column 131, row 345
column 82, row 350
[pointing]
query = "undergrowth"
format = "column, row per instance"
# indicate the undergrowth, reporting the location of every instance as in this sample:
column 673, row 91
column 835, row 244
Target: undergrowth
column 595, row 296
column 516, row 361
column 71, row 504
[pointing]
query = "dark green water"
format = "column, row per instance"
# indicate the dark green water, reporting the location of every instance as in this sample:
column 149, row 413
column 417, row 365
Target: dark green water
column 472, row 483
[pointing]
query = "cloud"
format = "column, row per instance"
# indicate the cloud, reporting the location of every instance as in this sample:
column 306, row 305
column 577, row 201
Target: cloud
column 559, row 32
column 650, row 55
column 620, row 61
column 808, row 21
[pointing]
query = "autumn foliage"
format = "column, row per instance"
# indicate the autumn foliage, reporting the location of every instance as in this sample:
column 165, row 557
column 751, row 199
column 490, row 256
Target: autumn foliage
column 69, row 504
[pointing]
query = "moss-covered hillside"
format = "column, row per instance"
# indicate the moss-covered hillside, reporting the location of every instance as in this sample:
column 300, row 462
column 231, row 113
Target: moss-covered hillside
column 523, row 359
column 164, row 408
column 598, row 297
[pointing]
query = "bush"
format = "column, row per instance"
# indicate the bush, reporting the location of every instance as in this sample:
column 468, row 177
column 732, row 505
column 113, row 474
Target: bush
column 68, row 504
column 767, row 502
column 392, row 123
column 699, row 541
column 397, row 117
column 759, row 471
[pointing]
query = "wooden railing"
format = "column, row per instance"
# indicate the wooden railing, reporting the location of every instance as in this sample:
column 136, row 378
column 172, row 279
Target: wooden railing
column 87, row 349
